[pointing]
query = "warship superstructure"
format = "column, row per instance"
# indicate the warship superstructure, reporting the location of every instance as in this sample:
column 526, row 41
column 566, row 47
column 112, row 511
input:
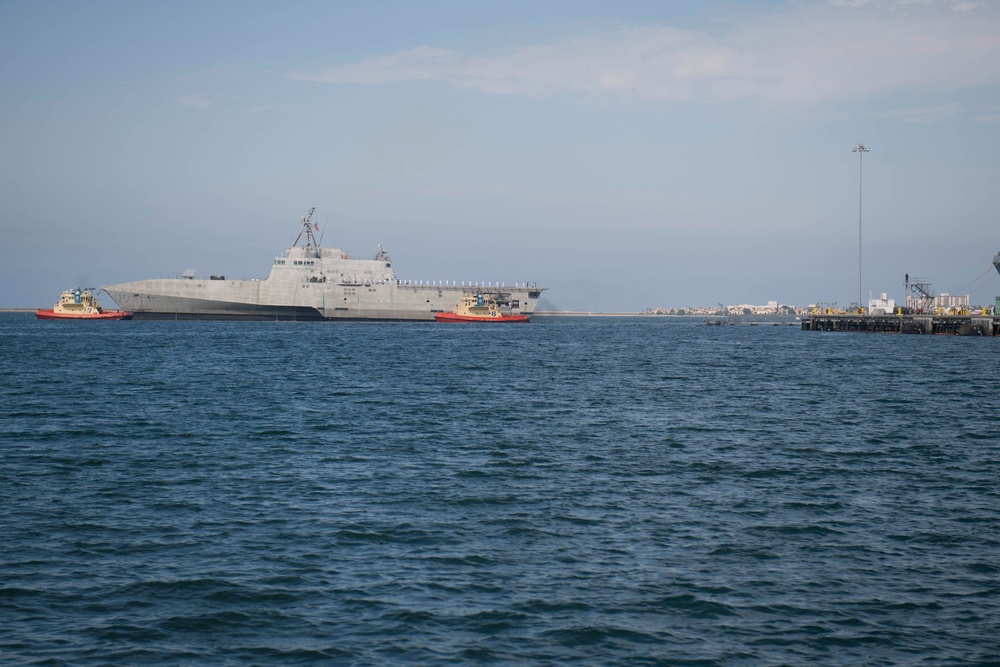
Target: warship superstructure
column 310, row 282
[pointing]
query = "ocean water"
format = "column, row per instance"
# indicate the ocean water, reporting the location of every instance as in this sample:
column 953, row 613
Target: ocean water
column 621, row 491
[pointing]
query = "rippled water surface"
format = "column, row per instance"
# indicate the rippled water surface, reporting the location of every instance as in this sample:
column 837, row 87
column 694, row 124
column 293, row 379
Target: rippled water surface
column 600, row 491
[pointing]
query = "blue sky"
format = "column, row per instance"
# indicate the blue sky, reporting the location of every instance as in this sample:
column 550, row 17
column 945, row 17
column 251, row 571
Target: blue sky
column 626, row 155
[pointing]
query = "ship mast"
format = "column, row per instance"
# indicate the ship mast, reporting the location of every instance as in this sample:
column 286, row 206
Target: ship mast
column 308, row 227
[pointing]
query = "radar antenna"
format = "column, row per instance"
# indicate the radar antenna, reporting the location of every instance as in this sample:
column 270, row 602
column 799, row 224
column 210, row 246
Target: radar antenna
column 308, row 228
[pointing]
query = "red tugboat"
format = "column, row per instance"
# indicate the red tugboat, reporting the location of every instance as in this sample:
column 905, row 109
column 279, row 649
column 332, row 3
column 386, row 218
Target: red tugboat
column 479, row 307
column 80, row 304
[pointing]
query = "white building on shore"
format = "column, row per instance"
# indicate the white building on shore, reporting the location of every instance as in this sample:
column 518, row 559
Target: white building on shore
column 772, row 308
column 945, row 301
column 882, row 305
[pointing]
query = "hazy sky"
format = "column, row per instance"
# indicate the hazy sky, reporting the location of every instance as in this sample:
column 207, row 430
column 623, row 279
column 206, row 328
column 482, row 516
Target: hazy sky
column 624, row 154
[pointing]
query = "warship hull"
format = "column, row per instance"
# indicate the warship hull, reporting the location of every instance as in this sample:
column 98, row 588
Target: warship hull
column 308, row 282
column 188, row 299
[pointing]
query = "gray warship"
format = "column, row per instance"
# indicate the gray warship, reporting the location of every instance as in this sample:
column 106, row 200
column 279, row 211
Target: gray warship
column 310, row 282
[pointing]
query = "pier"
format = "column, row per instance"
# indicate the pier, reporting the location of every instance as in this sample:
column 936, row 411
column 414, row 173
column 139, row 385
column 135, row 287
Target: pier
column 952, row 325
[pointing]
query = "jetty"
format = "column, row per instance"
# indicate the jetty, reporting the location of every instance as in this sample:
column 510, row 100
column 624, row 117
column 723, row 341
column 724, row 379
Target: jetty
column 953, row 325
column 916, row 318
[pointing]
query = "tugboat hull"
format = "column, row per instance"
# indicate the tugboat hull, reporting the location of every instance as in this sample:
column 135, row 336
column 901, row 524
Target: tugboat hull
column 107, row 315
column 80, row 304
column 455, row 317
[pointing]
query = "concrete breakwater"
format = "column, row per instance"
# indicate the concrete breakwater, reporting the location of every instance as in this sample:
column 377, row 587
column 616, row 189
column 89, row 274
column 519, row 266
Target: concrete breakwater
column 954, row 325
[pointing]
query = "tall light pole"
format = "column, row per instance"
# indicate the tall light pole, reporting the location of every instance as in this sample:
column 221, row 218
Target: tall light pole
column 860, row 149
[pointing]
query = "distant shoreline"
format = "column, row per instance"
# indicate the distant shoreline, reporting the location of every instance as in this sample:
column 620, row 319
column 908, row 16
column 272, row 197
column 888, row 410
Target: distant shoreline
column 581, row 313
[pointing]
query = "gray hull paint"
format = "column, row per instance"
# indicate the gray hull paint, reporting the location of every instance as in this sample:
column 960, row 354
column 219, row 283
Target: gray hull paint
column 182, row 299
column 309, row 283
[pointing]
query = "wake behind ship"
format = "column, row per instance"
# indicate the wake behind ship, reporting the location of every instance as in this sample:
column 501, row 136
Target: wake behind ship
column 310, row 282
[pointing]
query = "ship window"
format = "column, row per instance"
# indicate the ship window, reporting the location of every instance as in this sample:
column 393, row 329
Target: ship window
column 534, row 295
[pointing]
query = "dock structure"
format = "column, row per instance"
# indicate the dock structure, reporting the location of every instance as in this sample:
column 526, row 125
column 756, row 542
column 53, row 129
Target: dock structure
column 953, row 325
